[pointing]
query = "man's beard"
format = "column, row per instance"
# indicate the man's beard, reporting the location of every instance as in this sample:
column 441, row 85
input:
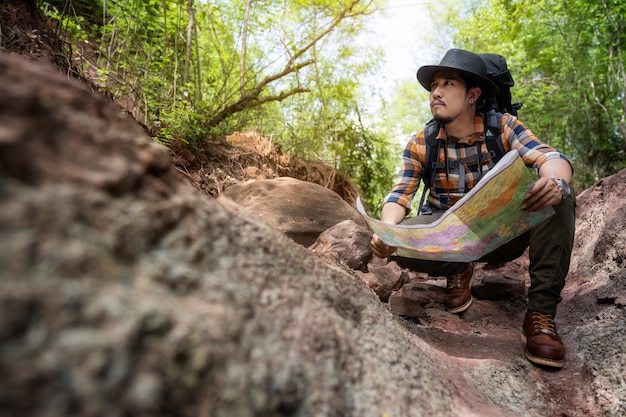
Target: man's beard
column 443, row 120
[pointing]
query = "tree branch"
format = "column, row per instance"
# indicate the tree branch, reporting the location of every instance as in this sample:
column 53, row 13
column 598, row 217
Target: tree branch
column 286, row 71
column 252, row 98
column 250, row 102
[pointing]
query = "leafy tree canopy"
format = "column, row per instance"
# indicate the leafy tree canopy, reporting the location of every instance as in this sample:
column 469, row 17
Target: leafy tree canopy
column 293, row 70
column 567, row 59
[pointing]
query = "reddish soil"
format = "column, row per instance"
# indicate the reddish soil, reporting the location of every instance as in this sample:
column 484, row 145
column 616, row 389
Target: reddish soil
column 490, row 330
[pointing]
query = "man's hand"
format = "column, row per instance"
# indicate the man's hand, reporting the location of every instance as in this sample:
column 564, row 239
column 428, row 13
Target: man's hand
column 544, row 193
column 392, row 213
column 380, row 248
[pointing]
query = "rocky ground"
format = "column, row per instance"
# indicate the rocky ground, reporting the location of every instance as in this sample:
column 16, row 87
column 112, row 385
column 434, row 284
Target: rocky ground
column 126, row 291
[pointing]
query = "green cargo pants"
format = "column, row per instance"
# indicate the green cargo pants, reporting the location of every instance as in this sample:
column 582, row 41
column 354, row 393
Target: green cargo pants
column 550, row 248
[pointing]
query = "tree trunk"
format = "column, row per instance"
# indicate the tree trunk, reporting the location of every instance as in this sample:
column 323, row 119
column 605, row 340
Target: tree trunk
column 189, row 40
column 242, row 56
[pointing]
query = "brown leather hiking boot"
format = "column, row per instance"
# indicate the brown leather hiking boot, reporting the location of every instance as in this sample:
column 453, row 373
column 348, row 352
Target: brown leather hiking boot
column 543, row 343
column 459, row 288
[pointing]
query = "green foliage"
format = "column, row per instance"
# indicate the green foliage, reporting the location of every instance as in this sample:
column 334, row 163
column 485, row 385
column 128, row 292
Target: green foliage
column 288, row 69
column 368, row 159
column 409, row 110
column 568, row 62
column 184, row 125
column 292, row 70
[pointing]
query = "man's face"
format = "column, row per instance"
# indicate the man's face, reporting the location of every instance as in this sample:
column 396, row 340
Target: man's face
column 448, row 96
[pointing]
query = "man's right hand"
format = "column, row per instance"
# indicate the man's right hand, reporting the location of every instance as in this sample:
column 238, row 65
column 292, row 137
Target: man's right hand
column 380, row 248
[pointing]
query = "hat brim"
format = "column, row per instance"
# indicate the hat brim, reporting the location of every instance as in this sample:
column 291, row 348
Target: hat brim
column 426, row 73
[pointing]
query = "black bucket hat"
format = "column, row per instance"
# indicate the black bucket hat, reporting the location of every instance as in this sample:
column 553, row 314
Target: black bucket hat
column 467, row 63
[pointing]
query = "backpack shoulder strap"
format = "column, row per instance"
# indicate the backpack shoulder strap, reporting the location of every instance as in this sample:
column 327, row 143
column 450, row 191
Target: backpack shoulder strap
column 493, row 130
column 430, row 140
column 492, row 120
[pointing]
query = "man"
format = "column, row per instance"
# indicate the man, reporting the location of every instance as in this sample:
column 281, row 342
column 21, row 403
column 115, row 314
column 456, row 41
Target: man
column 457, row 85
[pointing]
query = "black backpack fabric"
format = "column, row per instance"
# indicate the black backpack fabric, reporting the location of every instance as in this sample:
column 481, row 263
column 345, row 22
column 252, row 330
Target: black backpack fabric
column 499, row 73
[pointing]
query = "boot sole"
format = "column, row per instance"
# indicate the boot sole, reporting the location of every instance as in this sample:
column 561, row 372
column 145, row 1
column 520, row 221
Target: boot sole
column 542, row 361
column 461, row 308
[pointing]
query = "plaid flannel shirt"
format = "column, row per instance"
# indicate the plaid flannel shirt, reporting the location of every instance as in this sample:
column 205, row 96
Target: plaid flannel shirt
column 450, row 185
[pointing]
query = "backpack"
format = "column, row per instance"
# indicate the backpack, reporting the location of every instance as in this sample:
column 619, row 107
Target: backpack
column 499, row 73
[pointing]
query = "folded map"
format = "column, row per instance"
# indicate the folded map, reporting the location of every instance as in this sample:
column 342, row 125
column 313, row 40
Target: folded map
column 484, row 219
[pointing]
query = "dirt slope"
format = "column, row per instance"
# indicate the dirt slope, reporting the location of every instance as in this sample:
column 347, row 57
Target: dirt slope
column 481, row 348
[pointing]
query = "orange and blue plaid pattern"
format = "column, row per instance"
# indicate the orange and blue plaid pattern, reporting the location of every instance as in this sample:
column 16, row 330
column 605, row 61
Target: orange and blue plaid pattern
column 463, row 172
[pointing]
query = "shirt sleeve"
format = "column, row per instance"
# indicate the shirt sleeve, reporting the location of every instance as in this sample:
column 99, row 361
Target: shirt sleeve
column 533, row 152
column 410, row 173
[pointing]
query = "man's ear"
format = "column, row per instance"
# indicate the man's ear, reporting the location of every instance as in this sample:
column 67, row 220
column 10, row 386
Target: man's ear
column 474, row 93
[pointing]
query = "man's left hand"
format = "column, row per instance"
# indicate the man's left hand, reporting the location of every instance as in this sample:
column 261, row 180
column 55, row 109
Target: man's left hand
column 544, row 193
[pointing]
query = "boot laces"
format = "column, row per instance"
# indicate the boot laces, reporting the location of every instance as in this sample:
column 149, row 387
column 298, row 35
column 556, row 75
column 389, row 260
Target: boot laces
column 454, row 281
column 544, row 323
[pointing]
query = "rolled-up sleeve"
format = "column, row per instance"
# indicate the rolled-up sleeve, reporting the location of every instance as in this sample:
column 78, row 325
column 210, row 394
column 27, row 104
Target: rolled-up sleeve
column 409, row 175
column 533, row 152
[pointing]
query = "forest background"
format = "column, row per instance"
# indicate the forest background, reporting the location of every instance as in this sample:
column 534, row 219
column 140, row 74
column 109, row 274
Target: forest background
column 310, row 74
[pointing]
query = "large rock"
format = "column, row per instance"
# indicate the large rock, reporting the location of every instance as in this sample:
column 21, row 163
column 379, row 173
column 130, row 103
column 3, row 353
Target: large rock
column 597, row 284
column 123, row 291
column 299, row 209
column 346, row 243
